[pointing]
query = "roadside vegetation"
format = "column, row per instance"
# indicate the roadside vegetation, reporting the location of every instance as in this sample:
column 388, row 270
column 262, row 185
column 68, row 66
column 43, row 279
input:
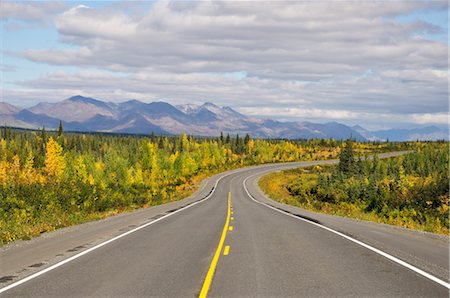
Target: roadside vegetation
column 50, row 180
column 410, row 191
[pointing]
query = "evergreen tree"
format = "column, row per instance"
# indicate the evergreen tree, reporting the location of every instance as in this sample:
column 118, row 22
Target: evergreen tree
column 161, row 142
column 5, row 132
column 228, row 139
column 43, row 136
column 246, row 139
column 359, row 166
column 60, row 130
column 347, row 162
column 239, row 145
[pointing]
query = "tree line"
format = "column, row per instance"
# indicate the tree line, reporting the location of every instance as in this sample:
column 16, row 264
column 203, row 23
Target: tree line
column 54, row 179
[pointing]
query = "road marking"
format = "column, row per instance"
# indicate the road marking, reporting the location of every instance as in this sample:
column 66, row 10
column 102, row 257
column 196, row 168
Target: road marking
column 232, row 218
column 226, row 251
column 28, row 278
column 212, row 267
column 232, row 212
column 230, row 228
column 270, row 166
column 375, row 250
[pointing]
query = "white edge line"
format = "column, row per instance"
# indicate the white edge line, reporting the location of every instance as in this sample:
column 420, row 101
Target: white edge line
column 380, row 252
column 28, row 278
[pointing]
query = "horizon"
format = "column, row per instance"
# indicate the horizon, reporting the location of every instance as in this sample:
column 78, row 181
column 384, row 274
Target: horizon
column 378, row 65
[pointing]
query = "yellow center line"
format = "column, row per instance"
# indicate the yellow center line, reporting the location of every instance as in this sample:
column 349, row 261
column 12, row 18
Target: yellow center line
column 226, row 251
column 230, row 228
column 212, row 267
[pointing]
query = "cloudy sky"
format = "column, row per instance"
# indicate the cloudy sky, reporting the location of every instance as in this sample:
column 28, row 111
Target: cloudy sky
column 380, row 64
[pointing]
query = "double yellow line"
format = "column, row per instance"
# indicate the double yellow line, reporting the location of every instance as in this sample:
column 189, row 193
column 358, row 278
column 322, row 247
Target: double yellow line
column 212, row 267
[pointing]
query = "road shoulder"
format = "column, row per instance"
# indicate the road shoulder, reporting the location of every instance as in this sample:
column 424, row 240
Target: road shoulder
column 427, row 251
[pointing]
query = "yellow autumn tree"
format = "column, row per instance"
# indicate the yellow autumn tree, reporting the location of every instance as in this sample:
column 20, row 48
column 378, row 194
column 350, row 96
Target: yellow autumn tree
column 154, row 168
column 28, row 174
column 250, row 146
column 3, row 148
column 139, row 176
column 54, row 159
column 81, row 170
column 131, row 173
column 4, row 170
column 14, row 170
column 184, row 142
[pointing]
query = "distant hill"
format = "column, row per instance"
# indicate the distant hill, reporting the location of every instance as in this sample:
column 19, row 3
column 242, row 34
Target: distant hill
column 80, row 113
column 421, row 134
column 429, row 133
column 8, row 109
column 74, row 109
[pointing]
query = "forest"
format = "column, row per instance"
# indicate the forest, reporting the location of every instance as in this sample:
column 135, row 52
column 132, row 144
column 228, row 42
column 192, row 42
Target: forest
column 410, row 191
column 50, row 180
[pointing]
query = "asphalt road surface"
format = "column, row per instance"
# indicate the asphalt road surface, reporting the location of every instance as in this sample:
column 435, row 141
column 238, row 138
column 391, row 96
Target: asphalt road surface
column 227, row 240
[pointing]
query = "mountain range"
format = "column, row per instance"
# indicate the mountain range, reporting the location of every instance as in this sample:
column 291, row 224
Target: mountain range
column 80, row 113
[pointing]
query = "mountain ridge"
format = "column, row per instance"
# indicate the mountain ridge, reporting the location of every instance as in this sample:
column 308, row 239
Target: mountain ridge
column 79, row 113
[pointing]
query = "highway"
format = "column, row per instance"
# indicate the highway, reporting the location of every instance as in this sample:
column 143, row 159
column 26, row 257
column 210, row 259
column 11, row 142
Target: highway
column 228, row 239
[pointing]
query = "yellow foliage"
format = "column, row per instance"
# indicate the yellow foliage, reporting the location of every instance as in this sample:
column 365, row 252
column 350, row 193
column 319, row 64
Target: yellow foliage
column 184, row 142
column 91, row 180
column 29, row 175
column 14, row 170
column 80, row 169
column 130, row 176
column 3, row 147
column 317, row 168
column 138, row 176
column 250, row 146
column 99, row 166
column 172, row 158
column 152, row 152
column 4, row 170
column 54, row 160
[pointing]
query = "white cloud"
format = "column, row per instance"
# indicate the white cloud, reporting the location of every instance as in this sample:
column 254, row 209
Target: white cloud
column 436, row 118
column 82, row 21
column 300, row 113
column 30, row 11
column 289, row 40
column 253, row 96
column 336, row 59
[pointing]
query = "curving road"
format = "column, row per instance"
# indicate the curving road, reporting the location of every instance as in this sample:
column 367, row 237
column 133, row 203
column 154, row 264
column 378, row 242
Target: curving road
column 227, row 240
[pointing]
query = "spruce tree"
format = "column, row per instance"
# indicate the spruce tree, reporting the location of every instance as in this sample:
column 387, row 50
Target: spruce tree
column 60, row 130
column 347, row 162
column 5, row 132
column 246, row 139
column 228, row 139
column 43, row 134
